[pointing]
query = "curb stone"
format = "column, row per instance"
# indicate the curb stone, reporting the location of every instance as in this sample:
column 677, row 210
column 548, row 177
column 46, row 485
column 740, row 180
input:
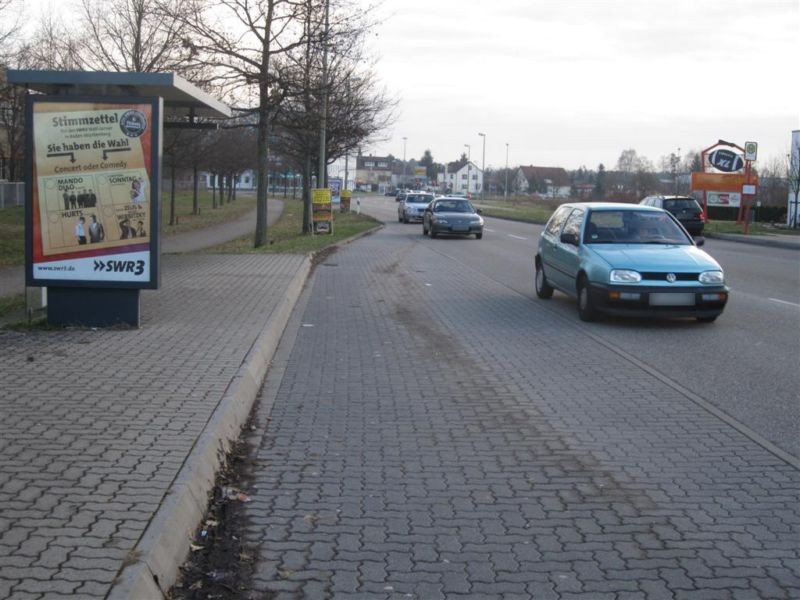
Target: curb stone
column 154, row 563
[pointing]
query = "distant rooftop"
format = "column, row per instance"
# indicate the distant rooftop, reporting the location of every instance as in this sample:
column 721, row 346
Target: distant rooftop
column 177, row 92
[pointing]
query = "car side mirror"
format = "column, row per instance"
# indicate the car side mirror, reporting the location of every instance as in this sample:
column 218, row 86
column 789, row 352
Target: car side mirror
column 699, row 241
column 569, row 238
column 479, row 211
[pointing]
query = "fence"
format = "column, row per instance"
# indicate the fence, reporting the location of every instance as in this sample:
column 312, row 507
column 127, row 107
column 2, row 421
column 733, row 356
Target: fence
column 12, row 194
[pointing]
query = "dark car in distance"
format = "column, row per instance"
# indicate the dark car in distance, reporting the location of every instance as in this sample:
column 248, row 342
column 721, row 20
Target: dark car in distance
column 685, row 208
column 453, row 216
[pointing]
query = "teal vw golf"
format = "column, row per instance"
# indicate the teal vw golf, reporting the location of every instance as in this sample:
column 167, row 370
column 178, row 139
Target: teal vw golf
column 627, row 259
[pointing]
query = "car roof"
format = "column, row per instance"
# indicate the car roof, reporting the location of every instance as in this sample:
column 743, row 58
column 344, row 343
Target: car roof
column 611, row 206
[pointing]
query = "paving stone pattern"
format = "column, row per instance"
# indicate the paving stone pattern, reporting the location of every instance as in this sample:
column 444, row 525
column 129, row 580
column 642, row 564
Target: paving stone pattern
column 94, row 425
column 436, row 435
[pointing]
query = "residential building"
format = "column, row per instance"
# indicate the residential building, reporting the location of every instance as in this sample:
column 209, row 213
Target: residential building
column 461, row 177
column 373, row 173
column 552, row 182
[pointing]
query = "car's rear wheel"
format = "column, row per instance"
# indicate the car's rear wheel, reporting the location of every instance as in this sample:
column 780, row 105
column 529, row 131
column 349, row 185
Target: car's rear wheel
column 543, row 289
column 586, row 309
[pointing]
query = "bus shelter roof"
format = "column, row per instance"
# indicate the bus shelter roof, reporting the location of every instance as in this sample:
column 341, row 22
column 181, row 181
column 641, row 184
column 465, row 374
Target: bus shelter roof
column 179, row 95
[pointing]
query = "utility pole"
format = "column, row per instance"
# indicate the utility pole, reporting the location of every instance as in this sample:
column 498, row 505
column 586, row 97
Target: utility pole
column 469, row 153
column 483, row 167
column 323, row 161
column 505, row 189
column 404, row 160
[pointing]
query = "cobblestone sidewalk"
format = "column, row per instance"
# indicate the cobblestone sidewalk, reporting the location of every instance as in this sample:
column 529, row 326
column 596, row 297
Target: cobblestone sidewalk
column 95, row 426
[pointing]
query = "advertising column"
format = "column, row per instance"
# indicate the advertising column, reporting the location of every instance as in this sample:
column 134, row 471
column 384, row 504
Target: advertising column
column 93, row 210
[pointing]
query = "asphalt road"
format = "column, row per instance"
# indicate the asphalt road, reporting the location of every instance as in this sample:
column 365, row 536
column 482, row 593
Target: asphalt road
column 747, row 363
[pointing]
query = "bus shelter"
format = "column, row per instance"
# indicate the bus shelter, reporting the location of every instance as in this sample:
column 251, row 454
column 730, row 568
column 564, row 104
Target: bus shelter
column 93, row 173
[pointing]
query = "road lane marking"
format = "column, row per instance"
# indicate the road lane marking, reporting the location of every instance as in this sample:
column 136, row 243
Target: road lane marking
column 516, row 237
column 785, row 302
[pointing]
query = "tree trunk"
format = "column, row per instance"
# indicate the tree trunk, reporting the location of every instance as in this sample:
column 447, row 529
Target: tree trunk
column 263, row 155
column 213, row 190
column 221, row 190
column 307, row 223
column 195, row 192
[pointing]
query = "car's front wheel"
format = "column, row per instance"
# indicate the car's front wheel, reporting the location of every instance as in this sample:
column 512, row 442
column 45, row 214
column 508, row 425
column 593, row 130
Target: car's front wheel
column 543, row 288
column 479, row 236
column 586, row 309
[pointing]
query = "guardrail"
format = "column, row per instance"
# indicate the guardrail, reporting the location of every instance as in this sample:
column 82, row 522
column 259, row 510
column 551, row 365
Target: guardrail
column 12, row 194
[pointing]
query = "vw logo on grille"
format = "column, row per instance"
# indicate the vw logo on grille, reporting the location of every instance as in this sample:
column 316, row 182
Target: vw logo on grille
column 671, row 277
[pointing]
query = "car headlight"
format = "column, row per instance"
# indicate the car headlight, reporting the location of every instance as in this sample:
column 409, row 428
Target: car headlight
column 478, row 221
column 440, row 220
column 624, row 276
column 712, row 277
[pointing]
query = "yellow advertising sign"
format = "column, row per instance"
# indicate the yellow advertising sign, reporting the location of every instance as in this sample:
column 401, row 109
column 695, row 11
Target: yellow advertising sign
column 322, row 210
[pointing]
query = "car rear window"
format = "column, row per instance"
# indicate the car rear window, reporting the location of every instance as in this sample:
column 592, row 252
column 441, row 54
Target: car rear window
column 680, row 204
column 419, row 198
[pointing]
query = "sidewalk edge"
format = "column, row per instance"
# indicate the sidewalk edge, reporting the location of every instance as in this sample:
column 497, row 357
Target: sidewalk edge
column 153, row 565
column 755, row 240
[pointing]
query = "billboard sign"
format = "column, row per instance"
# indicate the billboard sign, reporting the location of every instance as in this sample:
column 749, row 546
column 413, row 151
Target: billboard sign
column 335, row 184
column 93, row 203
column 322, row 210
column 726, row 161
column 721, row 182
column 724, row 199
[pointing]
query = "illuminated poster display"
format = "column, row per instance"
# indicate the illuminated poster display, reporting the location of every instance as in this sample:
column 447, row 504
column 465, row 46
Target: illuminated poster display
column 93, row 205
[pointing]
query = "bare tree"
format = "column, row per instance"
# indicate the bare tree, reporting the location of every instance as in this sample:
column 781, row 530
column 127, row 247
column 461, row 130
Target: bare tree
column 240, row 40
column 140, row 36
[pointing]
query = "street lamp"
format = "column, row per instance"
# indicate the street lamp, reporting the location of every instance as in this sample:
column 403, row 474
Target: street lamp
column 404, row 160
column 505, row 189
column 469, row 154
column 483, row 167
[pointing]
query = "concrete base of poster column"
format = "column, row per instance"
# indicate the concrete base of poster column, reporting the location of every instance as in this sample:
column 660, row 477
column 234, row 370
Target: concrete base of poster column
column 92, row 307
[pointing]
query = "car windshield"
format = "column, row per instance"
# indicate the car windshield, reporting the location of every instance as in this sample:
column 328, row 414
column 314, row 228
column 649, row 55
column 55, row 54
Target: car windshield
column 455, row 206
column 632, row 227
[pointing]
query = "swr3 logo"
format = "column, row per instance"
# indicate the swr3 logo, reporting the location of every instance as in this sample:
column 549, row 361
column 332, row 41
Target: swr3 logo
column 120, row 266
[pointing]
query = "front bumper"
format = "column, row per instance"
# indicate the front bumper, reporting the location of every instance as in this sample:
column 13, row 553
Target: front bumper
column 456, row 229
column 634, row 300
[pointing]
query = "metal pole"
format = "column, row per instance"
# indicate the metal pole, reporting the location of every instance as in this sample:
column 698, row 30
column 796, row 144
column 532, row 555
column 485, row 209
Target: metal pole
column 505, row 189
column 404, row 160
column 324, row 117
column 469, row 154
column 483, row 168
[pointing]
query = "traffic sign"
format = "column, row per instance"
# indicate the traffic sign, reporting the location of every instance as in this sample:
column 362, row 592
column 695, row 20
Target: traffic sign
column 750, row 150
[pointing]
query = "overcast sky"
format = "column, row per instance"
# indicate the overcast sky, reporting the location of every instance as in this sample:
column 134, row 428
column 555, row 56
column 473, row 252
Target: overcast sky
column 575, row 82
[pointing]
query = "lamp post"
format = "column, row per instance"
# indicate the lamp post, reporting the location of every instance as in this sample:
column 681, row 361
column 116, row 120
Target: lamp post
column 469, row 154
column 483, row 167
column 404, row 160
column 505, row 189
